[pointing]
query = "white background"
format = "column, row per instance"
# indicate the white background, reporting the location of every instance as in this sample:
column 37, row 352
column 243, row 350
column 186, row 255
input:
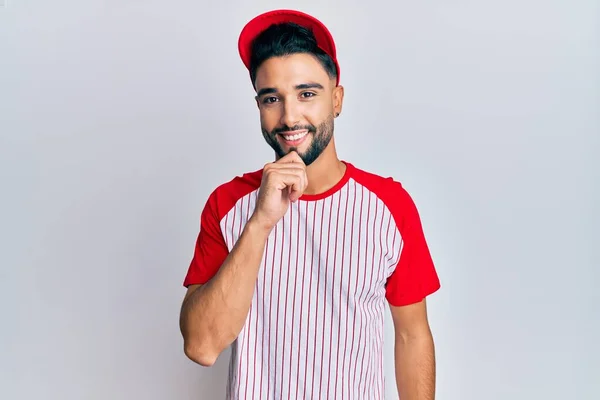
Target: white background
column 117, row 119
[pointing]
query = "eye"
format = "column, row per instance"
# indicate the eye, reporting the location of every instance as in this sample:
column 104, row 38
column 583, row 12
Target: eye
column 269, row 100
column 307, row 95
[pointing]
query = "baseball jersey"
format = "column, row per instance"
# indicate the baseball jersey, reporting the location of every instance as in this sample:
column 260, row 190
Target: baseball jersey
column 315, row 326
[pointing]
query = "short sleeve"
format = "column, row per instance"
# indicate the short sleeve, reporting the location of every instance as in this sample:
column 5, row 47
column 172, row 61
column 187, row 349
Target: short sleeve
column 415, row 276
column 210, row 250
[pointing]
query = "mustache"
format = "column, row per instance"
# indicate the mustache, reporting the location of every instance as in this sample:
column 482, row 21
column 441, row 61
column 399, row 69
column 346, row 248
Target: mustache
column 285, row 128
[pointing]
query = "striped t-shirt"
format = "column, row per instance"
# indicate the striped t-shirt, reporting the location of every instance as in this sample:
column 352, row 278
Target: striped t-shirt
column 315, row 326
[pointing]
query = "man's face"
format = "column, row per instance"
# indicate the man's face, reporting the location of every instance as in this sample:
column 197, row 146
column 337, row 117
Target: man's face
column 297, row 100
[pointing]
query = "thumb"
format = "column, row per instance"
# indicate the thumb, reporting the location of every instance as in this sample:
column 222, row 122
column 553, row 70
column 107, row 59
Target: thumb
column 292, row 194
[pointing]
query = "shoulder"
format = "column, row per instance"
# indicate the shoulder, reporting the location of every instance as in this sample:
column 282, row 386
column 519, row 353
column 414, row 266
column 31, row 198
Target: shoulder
column 389, row 190
column 224, row 197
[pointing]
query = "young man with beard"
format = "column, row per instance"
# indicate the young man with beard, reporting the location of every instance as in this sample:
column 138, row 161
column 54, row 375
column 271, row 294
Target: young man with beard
column 294, row 263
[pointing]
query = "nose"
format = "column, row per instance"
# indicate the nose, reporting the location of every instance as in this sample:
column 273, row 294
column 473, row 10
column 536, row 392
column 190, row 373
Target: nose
column 290, row 114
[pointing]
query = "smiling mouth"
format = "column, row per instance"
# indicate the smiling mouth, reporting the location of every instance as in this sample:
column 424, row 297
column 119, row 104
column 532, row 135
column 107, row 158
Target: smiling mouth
column 294, row 137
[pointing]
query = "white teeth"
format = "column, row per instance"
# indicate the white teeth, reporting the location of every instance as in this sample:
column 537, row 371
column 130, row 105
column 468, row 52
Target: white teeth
column 295, row 137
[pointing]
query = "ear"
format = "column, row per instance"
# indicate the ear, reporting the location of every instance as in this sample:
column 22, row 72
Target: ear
column 338, row 100
column 257, row 102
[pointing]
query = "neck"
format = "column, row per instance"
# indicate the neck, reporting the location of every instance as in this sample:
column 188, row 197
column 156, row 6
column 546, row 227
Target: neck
column 325, row 171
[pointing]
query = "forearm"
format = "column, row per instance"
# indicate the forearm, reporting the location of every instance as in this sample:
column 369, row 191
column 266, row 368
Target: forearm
column 214, row 314
column 415, row 367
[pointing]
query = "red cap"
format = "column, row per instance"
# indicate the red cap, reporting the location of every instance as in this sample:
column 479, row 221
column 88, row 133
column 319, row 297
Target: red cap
column 258, row 24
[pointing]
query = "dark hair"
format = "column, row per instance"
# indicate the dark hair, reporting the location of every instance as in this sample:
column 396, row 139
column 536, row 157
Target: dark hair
column 285, row 39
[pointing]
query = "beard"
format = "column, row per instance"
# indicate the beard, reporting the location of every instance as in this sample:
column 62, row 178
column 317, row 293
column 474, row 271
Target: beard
column 320, row 137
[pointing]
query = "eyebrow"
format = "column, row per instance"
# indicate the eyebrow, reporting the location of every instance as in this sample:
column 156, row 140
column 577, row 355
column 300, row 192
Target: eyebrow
column 301, row 86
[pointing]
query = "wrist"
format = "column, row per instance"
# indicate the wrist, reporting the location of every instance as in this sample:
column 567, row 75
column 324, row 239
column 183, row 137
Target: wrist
column 258, row 226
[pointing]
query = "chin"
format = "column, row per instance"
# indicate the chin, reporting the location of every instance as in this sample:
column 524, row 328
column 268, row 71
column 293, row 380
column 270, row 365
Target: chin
column 301, row 150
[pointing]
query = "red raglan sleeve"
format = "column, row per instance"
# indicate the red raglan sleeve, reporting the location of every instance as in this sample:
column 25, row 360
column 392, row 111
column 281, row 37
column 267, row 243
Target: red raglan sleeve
column 210, row 250
column 415, row 276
